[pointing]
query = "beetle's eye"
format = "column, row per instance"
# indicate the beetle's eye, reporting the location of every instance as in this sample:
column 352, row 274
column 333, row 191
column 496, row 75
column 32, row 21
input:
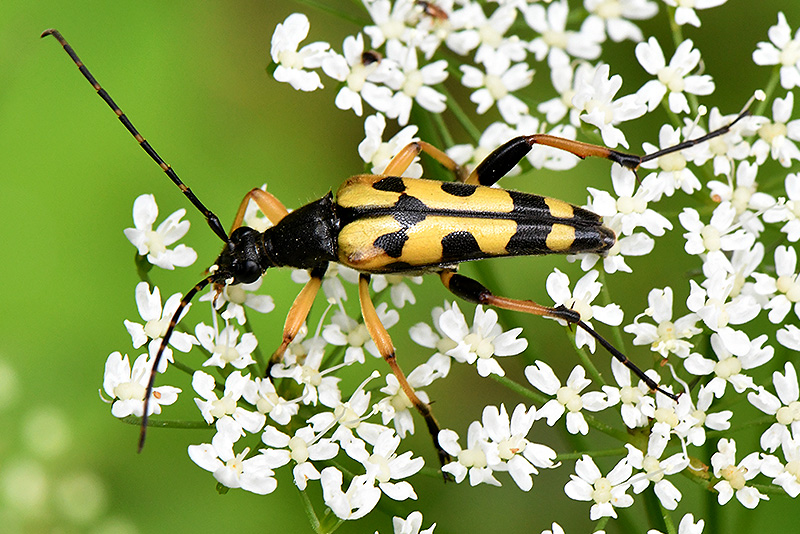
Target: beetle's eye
column 247, row 272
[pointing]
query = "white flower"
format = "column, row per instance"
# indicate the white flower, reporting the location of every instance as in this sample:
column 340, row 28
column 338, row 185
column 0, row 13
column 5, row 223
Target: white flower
column 301, row 448
column 674, row 173
column 743, row 196
column 674, row 78
column 734, row 477
column 232, row 470
column 493, row 136
column 783, row 290
column 378, row 153
column 694, row 420
column 495, row 86
column 783, row 51
column 785, row 476
column 237, row 297
column 776, row 137
column 261, row 393
column 317, row 385
column 565, row 77
column 666, row 336
column 636, row 244
column 594, row 98
column 156, row 321
column 213, row 407
column 422, row 334
column 554, row 39
column 332, row 284
column 720, row 234
column 712, row 304
column 725, row 148
column 473, row 29
column 390, row 20
column 345, row 331
column 614, row 14
column 684, row 12
column 359, row 499
column 399, row 290
column 471, row 460
column 735, row 353
column 482, row 342
column 154, row 243
column 225, row 347
column 788, row 209
column 580, row 300
column 291, row 63
column 396, row 406
column 630, row 209
column 686, row 526
column 637, row 406
column 785, row 407
column 606, row 492
column 127, row 386
column 411, row 524
column 385, row 467
column 655, row 468
column 508, row 448
column 412, row 83
column 568, row 398
column 361, row 71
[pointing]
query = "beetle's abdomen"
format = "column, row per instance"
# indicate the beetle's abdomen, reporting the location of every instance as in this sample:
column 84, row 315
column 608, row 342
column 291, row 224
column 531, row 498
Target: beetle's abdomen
column 392, row 224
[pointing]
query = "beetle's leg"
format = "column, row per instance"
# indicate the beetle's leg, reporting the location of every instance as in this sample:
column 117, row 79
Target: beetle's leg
column 386, row 349
column 503, row 159
column 299, row 311
column 406, row 156
column 473, row 291
column 266, row 202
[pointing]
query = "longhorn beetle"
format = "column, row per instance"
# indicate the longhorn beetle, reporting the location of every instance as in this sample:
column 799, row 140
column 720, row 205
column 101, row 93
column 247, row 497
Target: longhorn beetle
column 387, row 224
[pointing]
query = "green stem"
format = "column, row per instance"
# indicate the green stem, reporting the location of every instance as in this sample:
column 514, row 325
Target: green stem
column 463, row 119
column 772, row 85
column 616, row 453
column 308, row 506
column 668, row 523
column 337, row 11
column 165, row 423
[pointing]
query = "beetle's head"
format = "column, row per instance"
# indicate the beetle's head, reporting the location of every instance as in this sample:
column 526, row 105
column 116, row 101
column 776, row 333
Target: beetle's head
column 242, row 259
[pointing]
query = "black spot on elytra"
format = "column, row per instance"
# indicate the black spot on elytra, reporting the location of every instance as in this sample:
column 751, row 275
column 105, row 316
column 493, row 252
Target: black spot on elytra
column 529, row 239
column 392, row 243
column 409, row 210
column 458, row 189
column 460, row 246
column 526, row 203
column 390, row 183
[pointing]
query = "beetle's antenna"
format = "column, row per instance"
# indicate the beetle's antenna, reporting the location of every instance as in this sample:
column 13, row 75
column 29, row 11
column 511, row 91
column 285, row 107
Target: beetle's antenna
column 213, row 220
column 696, row 141
column 167, row 335
column 652, row 384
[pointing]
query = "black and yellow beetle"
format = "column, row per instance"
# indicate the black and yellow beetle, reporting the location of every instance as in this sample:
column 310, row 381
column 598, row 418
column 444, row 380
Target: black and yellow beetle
column 387, row 224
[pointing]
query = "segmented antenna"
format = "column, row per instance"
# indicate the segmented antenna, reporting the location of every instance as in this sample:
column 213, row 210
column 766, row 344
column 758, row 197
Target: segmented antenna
column 167, row 335
column 213, row 220
column 696, row 141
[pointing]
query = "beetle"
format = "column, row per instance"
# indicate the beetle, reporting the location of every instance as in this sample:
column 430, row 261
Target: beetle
column 388, row 224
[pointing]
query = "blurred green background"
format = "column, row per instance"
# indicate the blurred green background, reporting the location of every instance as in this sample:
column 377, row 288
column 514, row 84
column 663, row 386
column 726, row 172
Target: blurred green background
column 191, row 76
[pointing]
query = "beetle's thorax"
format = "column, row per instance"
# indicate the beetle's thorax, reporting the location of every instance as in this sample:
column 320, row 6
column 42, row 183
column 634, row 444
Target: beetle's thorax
column 306, row 237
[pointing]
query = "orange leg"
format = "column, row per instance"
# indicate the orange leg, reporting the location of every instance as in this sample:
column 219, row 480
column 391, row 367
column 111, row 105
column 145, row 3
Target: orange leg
column 406, row 156
column 266, row 202
column 299, row 311
column 384, row 344
column 473, row 291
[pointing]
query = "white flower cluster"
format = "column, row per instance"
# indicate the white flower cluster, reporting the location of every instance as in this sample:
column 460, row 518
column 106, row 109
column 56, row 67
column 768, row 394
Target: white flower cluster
column 740, row 309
